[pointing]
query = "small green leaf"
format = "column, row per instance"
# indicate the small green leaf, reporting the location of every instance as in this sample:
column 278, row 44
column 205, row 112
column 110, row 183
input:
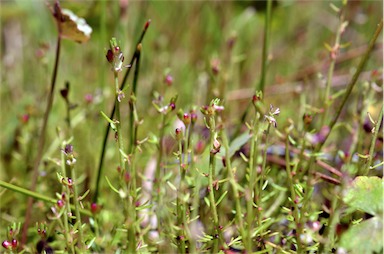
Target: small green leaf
column 111, row 122
column 243, row 157
column 221, row 198
column 334, row 8
column 265, row 185
column 366, row 194
column 207, row 201
column 291, row 140
column 173, row 187
column 327, row 46
column 238, row 142
column 111, row 186
column 143, row 207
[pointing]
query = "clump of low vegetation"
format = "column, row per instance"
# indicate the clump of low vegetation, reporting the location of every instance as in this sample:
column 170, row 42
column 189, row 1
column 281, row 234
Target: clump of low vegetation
column 192, row 127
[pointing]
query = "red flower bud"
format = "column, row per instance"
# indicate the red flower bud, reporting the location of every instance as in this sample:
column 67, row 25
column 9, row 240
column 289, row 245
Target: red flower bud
column 95, row 208
column 60, row 203
column 127, row 177
column 109, row 56
column 193, row 118
column 7, row 245
column 186, row 119
column 24, row 118
column 178, row 133
column 168, row 80
column 14, row 243
column 88, row 98
column 147, row 24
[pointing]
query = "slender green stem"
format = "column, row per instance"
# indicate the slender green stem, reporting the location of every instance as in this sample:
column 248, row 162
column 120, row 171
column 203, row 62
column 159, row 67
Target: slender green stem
column 180, row 209
column 211, row 188
column 133, row 129
column 103, row 38
column 76, row 201
column 39, row 155
column 329, row 232
column 65, row 189
column 36, row 195
column 352, row 83
column 133, row 192
column 213, row 202
column 330, row 71
column 100, row 167
column 120, row 141
column 253, row 190
column 239, row 214
column 160, row 156
column 196, row 191
column 26, row 192
column 373, row 142
column 296, row 214
column 133, row 94
column 259, row 190
column 264, row 58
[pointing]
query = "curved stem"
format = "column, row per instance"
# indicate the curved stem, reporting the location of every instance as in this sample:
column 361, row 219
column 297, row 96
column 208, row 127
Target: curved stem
column 36, row 195
column 39, row 156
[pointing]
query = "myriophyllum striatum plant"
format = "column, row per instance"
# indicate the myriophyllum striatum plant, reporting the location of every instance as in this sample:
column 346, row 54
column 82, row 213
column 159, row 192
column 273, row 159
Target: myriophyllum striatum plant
column 115, row 58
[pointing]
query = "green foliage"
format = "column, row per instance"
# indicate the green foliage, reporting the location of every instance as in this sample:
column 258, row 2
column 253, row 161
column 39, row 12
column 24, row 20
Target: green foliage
column 246, row 172
column 365, row 237
column 365, row 194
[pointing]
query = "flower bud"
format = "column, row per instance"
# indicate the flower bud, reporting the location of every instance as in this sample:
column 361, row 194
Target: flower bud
column 186, row 119
column 307, row 119
column 193, row 117
column 215, row 66
column 109, row 56
column 179, row 133
column 7, row 245
column 24, row 118
column 95, row 208
column 168, row 79
column 88, row 98
column 172, row 106
column 14, row 243
column 216, row 147
column 60, row 203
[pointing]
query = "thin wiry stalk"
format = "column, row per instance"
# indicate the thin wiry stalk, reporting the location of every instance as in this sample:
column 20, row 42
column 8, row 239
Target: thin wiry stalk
column 264, row 61
column 239, row 214
column 39, row 156
column 100, row 167
column 331, row 69
column 373, row 142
